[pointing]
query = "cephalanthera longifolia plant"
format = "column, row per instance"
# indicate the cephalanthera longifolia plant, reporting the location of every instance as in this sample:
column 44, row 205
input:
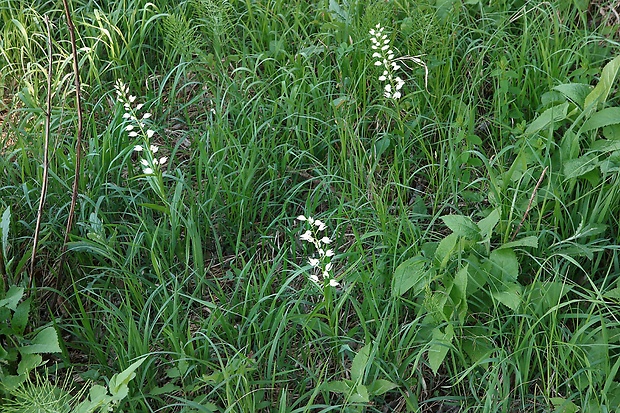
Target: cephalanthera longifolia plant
column 391, row 65
column 137, row 128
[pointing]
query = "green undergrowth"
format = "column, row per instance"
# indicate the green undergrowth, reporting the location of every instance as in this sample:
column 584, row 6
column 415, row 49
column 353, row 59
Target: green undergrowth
column 464, row 179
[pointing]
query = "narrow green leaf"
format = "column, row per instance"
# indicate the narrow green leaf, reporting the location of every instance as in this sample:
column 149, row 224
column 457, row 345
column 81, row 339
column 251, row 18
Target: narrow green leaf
column 548, row 117
column 413, row 272
column 4, row 230
column 360, row 361
column 46, row 341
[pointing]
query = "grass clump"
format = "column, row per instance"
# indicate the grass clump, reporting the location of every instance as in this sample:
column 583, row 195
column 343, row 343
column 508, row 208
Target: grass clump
column 452, row 168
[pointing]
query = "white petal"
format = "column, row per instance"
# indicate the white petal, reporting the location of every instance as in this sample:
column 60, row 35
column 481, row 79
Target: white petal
column 132, row 98
column 301, row 218
column 147, row 171
column 334, row 283
column 154, row 148
column 326, row 240
column 329, row 253
column 150, row 133
column 133, row 134
column 146, row 115
column 138, row 148
column 144, row 162
column 129, row 127
column 162, row 160
column 139, row 106
column 314, row 262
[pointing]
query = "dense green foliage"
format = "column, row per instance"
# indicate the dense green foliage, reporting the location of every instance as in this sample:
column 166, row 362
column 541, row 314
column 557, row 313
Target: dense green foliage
column 473, row 220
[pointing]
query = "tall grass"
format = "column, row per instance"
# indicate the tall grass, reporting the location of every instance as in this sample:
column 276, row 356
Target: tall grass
column 267, row 110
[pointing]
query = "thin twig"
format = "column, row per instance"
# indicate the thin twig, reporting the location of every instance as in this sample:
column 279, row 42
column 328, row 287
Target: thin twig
column 46, row 144
column 78, row 143
column 529, row 205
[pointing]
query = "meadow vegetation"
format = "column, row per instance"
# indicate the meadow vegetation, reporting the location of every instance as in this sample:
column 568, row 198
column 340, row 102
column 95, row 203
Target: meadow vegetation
column 310, row 206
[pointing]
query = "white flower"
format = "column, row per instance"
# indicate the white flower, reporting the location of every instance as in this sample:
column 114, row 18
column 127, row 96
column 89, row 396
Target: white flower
column 301, row 218
column 138, row 148
column 133, row 134
column 150, row 133
column 314, row 262
column 139, row 106
column 154, row 148
column 307, row 236
column 325, row 240
column 146, row 115
column 148, row 171
column 320, row 225
column 162, row 160
column 334, row 283
column 329, row 253
column 144, row 162
column 128, row 127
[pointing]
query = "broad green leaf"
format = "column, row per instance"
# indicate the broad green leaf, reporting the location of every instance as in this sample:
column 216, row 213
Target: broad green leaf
column 510, row 296
column 613, row 294
column 611, row 163
column 504, row 266
column 458, row 292
column 20, row 317
column 119, row 382
column 28, row 363
column 46, row 341
column 487, row 224
column 445, row 249
column 341, row 387
column 543, row 295
column 548, row 117
column 12, row 297
column 360, row 395
column 574, row 168
column 563, row 405
column 462, row 225
column 380, row 386
column 413, row 272
column 604, row 145
column 166, row 388
column 575, row 92
column 360, row 361
column 600, row 92
column 531, row 241
column 439, row 347
column 604, row 117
